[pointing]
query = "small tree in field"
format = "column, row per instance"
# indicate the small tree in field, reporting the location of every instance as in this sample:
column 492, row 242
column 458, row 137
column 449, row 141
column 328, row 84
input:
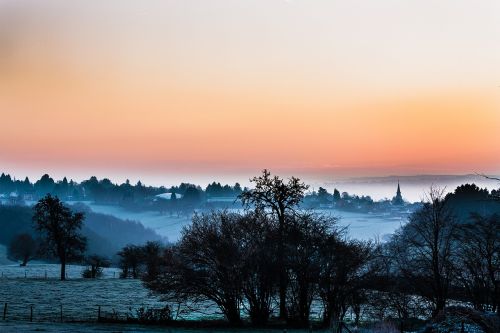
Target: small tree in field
column 131, row 257
column 151, row 253
column 23, row 247
column 95, row 265
column 59, row 230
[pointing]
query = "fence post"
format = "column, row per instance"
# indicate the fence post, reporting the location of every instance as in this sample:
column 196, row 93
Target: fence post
column 99, row 313
column 31, row 313
column 5, row 311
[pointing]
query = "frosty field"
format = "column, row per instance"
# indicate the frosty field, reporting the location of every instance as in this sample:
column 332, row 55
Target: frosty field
column 40, row 270
column 78, row 298
column 14, row 327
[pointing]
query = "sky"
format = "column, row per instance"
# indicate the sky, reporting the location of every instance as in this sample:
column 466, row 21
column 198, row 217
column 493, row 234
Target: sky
column 192, row 90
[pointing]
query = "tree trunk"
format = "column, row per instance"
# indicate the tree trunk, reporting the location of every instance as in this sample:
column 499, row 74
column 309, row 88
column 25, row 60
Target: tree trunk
column 303, row 305
column 233, row 314
column 281, row 262
column 259, row 311
column 283, row 310
column 125, row 272
column 63, row 269
column 497, row 302
column 496, row 296
column 335, row 319
column 440, row 305
column 357, row 314
column 327, row 315
column 134, row 271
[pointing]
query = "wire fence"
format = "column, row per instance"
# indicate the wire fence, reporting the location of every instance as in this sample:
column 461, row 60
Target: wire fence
column 74, row 299
column 61, row 313
column 51, row 271
column 47, row 313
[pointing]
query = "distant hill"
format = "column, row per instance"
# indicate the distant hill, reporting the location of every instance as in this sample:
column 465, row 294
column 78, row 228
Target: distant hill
column 105, row 234
column 416, row 179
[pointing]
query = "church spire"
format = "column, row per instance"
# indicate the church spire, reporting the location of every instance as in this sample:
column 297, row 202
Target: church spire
column 398, row 199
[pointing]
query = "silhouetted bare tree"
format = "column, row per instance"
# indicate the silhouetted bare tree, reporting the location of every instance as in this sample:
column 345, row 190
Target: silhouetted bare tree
column 479, row 258
column 206, row 264
column 258, row 237
column 306, row 235
column 281, row 198
column 346, row 267
column 425, row 249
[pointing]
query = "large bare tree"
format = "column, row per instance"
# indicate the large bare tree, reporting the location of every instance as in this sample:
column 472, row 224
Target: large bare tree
column 424, row 249
column 479, row 255
column 272, row 193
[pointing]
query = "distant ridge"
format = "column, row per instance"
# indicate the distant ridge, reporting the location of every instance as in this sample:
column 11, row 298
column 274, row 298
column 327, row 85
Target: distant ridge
column 416, row 178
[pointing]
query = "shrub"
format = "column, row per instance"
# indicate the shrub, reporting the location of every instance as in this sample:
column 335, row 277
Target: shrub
column 453, row 318
column 385, row 327
column 154, row 316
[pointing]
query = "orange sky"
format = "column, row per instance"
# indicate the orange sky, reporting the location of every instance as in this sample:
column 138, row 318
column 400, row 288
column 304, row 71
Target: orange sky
column 341, row 87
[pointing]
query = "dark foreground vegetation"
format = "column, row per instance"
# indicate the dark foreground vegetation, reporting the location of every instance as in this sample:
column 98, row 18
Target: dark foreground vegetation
column 274, row 264
column 448, row 253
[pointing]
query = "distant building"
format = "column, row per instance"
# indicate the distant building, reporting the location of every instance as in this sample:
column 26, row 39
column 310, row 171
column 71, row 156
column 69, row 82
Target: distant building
column 398, row 199
column 168, row 196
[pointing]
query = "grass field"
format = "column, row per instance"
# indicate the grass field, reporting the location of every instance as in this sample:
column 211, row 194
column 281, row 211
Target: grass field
column 14, row 327
column 41, row 270
column 78, row 298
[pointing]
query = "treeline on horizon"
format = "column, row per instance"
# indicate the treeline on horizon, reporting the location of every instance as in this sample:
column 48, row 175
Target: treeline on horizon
column 104, row 191
column 185, row 197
